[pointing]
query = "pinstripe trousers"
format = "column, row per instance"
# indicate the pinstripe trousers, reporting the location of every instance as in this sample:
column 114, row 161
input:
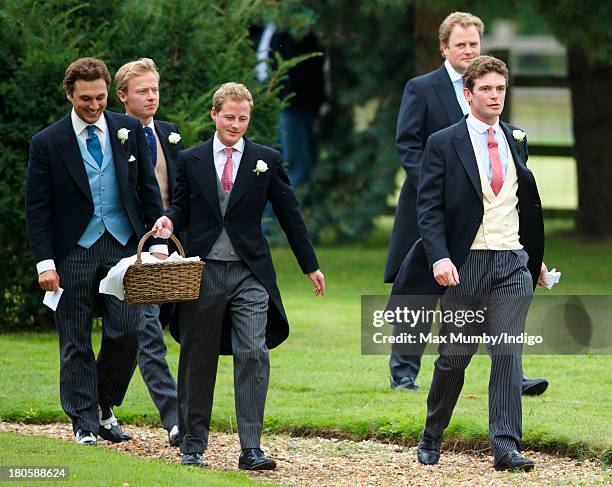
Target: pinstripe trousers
column 154, row 368
column 226, row 287
column 84, row 381
column 500, row 282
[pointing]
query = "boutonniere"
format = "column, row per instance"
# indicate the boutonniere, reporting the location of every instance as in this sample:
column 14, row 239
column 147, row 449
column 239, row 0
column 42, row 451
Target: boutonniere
column 122, row 135
column 518, row 135
column 174, row 138
column 260, row 167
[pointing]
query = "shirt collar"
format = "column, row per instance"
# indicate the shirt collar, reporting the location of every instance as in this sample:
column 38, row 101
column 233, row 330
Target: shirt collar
column 151, row 124
column 78, row 124
column 480, row 126
column 218, row 146
column 452, row 72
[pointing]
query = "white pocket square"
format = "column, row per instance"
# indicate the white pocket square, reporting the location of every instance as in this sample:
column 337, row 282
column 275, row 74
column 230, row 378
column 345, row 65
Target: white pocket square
column 132, row 158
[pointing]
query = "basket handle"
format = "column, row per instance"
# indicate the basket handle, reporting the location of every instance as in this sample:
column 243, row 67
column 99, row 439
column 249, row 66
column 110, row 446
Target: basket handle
column 146, row 236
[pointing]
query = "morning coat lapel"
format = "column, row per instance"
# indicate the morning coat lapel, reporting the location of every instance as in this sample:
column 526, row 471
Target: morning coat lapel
column 445, row 91
column 245, row 176
column 120, row 154
column 203, row 167
column 513, row 144
column 68, row 149
column 162, row 136
column 463, row 146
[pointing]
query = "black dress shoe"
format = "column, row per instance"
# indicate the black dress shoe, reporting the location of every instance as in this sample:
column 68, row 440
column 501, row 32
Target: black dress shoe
column 109, row 427
column 428, row 452
column 193, row 460
column 254, row 459
column 406, row 383
column 514, row 461
column 534, row 387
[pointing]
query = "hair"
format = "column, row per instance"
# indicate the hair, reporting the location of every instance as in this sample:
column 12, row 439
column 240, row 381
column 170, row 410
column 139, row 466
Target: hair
column 234, row 91
column 132, row 69
column 463, row 19
column 86, row 69
column 481, row 66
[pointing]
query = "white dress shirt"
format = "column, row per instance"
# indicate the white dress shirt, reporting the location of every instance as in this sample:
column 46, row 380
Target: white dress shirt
column 220, row 157
column 457, row 81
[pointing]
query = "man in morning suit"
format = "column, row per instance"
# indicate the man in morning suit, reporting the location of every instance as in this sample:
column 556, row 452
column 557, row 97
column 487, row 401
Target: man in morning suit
column 137, row 85
column 90, row 194
column 222, row 189
column 482, row 234
column 431, row 102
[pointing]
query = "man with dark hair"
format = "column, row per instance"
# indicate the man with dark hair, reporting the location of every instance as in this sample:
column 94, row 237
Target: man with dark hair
column 431, row 102
column 484, row 238
column 90, row 194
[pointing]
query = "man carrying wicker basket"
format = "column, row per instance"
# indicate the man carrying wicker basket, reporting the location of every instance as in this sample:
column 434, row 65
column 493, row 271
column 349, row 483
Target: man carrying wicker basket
column 222, row 189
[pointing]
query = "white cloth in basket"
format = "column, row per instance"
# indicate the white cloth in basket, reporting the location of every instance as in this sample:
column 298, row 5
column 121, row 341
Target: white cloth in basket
column 113, row 282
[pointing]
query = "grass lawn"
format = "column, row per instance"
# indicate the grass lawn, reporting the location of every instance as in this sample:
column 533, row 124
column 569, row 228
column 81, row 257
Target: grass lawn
column 82, row 465
column 320, row 382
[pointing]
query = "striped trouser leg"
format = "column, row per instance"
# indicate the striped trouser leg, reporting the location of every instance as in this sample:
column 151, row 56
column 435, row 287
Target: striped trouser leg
column 510, row 296
column 500, row 280
column 248, row 306
column 201, row 322
column 78, row 377
column 120, row 322
column 154, row 367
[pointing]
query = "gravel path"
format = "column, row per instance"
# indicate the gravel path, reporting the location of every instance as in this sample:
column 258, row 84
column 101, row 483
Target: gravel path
column 330, row 462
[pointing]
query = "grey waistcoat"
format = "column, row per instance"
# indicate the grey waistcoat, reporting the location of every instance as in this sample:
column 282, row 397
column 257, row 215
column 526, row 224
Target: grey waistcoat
column 223, row 248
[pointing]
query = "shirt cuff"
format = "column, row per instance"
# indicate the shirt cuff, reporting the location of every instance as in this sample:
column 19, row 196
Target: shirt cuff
column 45, row 265
column 160, row 248
column 438, row 261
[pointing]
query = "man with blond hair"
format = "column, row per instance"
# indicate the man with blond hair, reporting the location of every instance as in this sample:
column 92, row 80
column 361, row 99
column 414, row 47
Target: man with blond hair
column 137, row 85
column 222, row 189
column 484, row 239
column 431, row 102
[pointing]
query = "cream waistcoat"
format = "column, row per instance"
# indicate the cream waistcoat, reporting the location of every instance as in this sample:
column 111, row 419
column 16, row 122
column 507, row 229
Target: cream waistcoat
column 499, row 229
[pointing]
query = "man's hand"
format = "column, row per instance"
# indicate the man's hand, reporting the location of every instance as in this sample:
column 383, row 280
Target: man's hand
column 318, row 280
column 164, row 227
column 542, row 281
column 159, row 255
column 445, row 273
column 49, row 280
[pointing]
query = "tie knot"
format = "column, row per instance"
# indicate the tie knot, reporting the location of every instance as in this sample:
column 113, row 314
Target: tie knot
column 91, row 130
column 228, row 151
column 148, row 131
column 491, row 131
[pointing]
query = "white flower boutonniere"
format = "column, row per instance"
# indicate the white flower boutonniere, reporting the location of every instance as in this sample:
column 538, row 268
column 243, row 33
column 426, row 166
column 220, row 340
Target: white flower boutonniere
column 518, row 135
column 122, row 135
column 174, row 138
column 261, row 166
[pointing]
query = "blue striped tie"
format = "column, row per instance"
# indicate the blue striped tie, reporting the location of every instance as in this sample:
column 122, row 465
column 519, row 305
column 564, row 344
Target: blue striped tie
column 152, row 143
column 93, row 145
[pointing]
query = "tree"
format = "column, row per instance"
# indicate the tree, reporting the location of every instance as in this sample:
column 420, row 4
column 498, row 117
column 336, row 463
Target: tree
column 368, row 51
column 584, row 27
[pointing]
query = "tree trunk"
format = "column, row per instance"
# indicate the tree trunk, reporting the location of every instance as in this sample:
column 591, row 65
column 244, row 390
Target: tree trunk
column 427, row 21
column 591, row 107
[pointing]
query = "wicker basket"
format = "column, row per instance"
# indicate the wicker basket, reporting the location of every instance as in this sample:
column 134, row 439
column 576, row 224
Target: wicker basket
column 162, row 282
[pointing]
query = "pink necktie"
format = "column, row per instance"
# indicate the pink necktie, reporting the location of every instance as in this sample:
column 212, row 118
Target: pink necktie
column 228, row 170
column 497, row 178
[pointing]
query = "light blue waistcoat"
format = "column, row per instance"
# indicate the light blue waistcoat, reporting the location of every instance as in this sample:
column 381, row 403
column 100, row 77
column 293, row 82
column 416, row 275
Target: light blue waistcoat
column 109, row 210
